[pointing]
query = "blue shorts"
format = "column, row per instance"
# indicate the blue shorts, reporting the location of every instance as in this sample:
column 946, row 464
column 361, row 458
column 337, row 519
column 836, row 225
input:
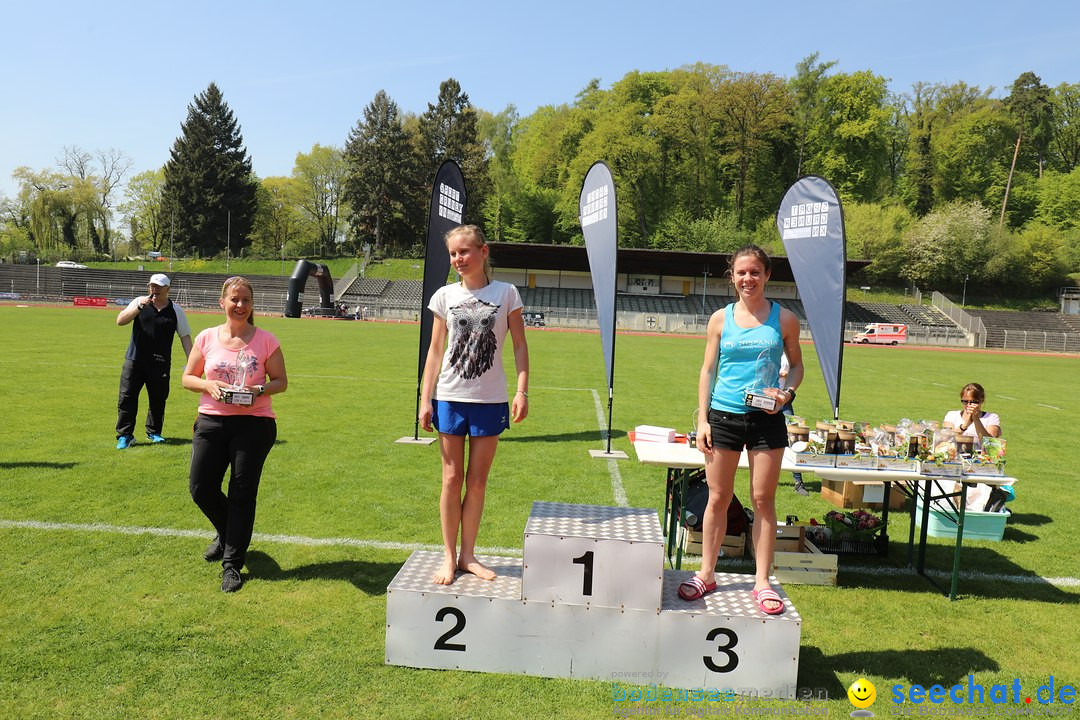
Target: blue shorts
column 467, row 418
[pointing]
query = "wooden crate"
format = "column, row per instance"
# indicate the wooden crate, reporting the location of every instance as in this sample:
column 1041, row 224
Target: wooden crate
column 797, row 560
column 732, row 546
column 849, row 496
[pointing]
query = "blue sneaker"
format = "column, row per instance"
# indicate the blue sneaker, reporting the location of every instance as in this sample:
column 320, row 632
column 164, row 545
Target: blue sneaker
column 154, row 438
column 124, row 442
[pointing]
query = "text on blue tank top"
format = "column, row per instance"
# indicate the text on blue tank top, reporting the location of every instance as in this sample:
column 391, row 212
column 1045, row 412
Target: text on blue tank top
column 737, row 361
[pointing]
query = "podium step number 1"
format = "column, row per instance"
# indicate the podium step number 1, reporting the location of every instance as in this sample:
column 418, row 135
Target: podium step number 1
column 590, row 599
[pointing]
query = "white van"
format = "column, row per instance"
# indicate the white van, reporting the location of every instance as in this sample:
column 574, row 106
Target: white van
column 882, row 334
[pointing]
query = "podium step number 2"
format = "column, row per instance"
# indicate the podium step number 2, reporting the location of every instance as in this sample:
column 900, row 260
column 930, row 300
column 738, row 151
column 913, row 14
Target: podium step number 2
column 590, row 600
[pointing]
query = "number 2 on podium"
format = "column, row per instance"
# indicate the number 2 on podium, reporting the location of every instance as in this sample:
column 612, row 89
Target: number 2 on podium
column 459, row 616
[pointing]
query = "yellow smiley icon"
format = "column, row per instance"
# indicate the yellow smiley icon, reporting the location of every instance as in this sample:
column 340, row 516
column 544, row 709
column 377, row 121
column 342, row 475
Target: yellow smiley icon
column 862, row 693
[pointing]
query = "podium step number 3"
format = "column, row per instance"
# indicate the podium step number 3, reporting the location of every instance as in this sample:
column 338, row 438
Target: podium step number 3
column 591, row 600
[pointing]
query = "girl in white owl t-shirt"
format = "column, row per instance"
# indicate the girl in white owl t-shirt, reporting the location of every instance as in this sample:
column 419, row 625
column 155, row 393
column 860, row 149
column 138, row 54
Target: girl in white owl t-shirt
column 469, row 398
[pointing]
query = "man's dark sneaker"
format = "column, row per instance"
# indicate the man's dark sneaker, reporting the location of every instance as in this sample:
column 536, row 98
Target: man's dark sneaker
column 215, row 550
column 231, row 580
column 800, row 488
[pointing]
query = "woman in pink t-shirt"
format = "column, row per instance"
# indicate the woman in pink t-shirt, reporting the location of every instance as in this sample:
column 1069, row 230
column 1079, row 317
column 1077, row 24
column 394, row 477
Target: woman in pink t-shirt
column 243, row 366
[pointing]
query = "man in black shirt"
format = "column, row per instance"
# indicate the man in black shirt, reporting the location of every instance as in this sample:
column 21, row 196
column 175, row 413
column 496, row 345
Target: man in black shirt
column 149, row 359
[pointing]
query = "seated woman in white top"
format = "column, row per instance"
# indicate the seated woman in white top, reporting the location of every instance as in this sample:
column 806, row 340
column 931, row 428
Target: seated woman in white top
column 971, row 419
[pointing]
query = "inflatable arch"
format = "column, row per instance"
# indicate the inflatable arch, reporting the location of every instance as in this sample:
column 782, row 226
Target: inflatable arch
column 294, row 300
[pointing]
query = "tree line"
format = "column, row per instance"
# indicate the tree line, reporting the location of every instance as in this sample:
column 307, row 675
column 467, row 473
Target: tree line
column 943, row 184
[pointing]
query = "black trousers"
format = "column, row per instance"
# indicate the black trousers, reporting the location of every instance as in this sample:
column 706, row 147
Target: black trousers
column 155, row 376
column 221, row 441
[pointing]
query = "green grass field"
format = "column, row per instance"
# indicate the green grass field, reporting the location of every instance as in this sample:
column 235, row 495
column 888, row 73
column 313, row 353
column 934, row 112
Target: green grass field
column 117, row 622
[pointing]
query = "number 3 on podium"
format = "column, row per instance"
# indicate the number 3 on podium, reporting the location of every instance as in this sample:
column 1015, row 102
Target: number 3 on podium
column 725, row 650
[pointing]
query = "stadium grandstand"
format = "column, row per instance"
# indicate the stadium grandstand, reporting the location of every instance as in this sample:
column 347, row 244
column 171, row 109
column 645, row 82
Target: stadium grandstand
column 666, row 291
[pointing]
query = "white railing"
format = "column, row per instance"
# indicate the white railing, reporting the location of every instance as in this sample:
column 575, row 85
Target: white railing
column 1041, row 341
column 345, row 282
column 972, row 324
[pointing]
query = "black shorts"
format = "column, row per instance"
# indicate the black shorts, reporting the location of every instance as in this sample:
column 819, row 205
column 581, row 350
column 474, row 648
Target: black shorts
column 757, row 430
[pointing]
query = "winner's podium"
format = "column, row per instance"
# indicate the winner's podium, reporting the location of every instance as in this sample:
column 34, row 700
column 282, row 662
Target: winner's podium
column 591, row 599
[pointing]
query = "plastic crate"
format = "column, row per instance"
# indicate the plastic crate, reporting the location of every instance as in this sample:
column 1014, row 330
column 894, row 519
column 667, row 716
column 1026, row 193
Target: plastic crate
column 978, row 525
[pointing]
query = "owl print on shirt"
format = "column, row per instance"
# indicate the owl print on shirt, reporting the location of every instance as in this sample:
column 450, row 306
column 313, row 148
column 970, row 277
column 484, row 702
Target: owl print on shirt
column 473, row 343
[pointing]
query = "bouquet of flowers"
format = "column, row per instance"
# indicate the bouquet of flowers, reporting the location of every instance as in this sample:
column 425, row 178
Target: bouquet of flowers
column 856, row 524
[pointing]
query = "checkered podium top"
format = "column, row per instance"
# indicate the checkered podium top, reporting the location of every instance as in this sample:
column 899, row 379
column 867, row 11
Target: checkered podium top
column 417, row 573
column 731, row 598
column 598, row 522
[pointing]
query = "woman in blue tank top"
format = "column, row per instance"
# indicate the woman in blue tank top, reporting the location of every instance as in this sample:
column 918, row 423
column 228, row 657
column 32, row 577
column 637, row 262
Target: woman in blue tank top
column 744, row 342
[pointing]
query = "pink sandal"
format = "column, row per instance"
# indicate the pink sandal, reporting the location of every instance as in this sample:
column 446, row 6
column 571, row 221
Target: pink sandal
column 695, row 588
column 764, row 596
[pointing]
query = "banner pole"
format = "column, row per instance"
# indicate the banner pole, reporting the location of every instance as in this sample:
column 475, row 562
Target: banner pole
column 448, row 199
column 609, row 421
column 416, row 415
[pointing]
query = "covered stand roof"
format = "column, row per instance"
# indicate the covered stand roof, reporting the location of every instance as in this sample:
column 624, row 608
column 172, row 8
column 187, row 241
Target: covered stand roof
column 530, row 256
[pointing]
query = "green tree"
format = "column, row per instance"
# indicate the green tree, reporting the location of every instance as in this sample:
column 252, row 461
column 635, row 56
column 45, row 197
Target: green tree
column 209, row 184
column 917, row 187
column 103, row 171
column 1066, row 105
column 280, row 228
column 320, row 178
column 545, row 145
column 449, row 131
column 1059, row 199
column 875, row 232
column 948, row 244
column 848, row 146
column 970, row 147
column 756, row 113
column 1029, row 104
column 686, row 123
column 806, row 87
column 144, row 209
column 58, row 207
column 381, row 177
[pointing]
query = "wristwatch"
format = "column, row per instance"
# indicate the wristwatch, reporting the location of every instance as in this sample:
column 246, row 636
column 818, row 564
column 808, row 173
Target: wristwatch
column 262, row 389
column 790, row 391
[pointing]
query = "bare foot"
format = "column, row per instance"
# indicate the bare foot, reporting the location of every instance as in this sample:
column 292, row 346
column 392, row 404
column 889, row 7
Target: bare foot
column 472, row 565
column 445, row 575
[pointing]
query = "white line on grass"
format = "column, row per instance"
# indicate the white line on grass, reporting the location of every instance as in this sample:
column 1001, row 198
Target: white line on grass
column 260, row 537
column 613, row 465
column 351, row 377
column 504, row 551
column 1052, row 407
column 1006, row 397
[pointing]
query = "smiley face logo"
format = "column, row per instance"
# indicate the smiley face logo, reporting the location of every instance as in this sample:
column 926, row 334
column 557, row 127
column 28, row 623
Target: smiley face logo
column 862, row 693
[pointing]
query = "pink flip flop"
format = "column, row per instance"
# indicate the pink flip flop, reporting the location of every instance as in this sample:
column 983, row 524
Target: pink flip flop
column 763, row 596
column 695, row 588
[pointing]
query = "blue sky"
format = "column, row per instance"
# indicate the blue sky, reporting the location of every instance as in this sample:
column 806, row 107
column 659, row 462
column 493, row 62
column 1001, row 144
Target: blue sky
column 121, row 74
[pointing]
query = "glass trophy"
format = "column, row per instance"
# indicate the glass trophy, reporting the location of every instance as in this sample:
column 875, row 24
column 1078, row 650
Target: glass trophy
column 237, row 394
column 766, row 373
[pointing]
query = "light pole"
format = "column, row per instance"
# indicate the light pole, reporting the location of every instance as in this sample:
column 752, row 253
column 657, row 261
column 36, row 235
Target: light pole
column 963, row 300
column 228, row 240
column 704, row 284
